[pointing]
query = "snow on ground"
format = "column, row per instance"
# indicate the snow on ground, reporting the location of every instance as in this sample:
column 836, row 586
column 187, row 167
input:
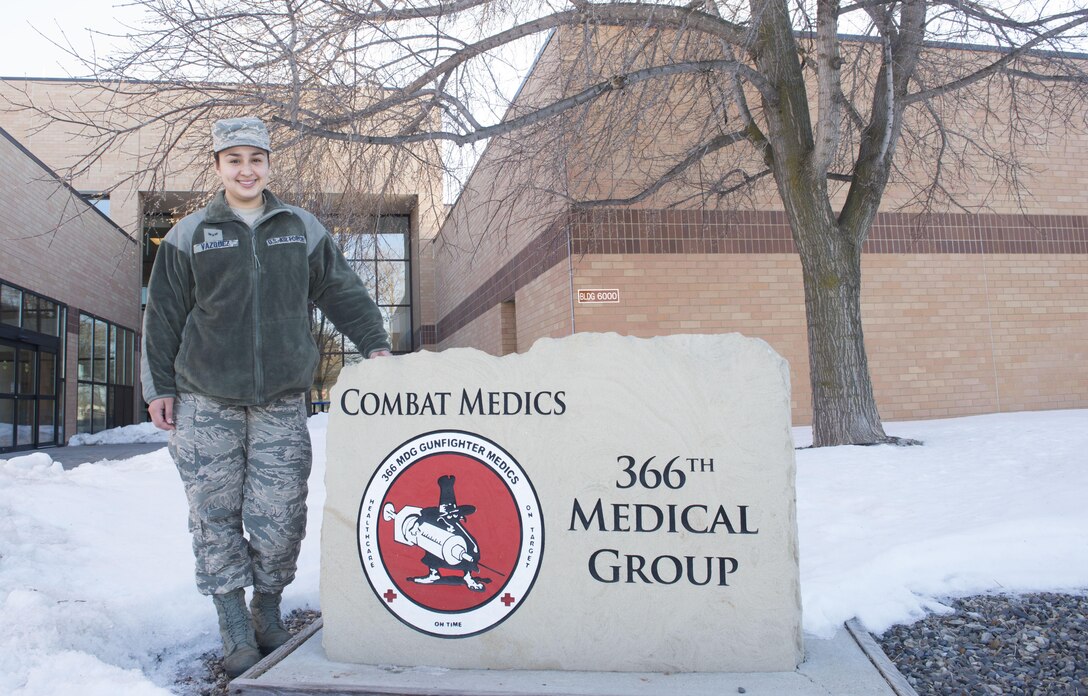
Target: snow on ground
column 97, row 598
column 989, row 503
column 141, row 432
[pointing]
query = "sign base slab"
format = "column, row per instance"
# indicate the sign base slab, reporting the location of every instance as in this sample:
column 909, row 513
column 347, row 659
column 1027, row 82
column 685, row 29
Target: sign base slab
column 842, row 665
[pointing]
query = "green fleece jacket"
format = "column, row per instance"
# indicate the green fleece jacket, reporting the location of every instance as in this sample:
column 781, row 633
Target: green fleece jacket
column 227, row 306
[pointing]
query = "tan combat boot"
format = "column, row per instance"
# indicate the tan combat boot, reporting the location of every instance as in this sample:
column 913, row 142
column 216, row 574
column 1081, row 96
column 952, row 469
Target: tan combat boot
column 236, row 628
column 267, row 622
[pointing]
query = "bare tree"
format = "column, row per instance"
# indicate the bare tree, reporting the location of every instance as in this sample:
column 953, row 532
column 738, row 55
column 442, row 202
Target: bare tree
column 818, row 104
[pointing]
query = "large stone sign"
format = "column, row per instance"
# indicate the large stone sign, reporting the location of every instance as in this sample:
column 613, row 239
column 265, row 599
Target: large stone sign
column 598, row 503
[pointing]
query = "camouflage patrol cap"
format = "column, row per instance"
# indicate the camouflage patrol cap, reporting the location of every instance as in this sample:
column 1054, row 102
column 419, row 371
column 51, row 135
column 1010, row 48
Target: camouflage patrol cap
column 231, row 132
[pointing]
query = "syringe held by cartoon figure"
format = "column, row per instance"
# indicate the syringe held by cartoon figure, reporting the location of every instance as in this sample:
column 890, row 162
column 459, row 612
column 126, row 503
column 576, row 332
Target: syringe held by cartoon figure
column 411, row 531
column 441, row 533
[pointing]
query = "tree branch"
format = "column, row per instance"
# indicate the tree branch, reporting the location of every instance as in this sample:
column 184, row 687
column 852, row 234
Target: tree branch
column 392, row 14
column 902, row 48
column 586, row 96
column 694, row 155
column 999, row 64
column 612, row 14
column 973, row 9
column 829, row 97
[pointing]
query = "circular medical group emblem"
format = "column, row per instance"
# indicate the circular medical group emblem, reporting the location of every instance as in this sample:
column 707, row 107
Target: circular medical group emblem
column 450, row 533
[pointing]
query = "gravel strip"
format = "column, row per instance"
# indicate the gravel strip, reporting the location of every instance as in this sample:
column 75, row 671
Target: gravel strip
column 1034, row 644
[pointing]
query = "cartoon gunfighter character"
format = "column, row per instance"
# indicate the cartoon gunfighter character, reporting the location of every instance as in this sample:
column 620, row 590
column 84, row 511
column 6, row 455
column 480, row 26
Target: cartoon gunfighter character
column 440, row 532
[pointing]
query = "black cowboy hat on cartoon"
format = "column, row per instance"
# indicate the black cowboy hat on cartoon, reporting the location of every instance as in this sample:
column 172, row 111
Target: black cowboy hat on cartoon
column 440, row 532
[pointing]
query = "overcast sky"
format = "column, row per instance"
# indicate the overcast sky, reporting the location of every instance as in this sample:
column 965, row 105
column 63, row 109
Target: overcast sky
column 24, row 52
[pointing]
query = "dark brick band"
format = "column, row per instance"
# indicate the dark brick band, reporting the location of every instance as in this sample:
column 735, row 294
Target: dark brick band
column 622, row 231
column 768, row 232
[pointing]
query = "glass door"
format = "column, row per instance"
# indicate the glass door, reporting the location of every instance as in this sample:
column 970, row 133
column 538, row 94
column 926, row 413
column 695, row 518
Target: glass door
column 28, row 396
column 25, row 412
column 49, row 417
column 7, row 396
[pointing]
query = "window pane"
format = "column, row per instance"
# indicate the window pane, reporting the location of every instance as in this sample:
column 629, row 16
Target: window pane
column 26, row 372
column 46, row 432
column 86, row 347
column 47, row 373
column 7, row 422
column 60, row 420
column 122, row 363
column 31, row 310
column 391, row 246
column 83, row 409
column 395, row 224
column 130, row 358
column 98, row 408
column 398, row 324
column 124, row 357
column 112, row 371
column 49, row 318
column 392, row 283
column 328, row 369
column 357, row 245
column 366, row 271
column 111, row 412
column 25, row 427
column 100, row 340
column 11, row 302
column 328, row 339
column 62, row 333
column 7, row 369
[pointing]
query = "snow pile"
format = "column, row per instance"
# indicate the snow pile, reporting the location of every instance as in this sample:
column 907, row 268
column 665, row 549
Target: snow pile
column 96, row 576
column 141, row 432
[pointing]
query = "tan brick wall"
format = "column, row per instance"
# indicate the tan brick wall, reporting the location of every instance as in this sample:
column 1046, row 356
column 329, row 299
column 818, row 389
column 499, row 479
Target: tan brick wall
column 508, row 327
column 1040, row 330
column 61, row 146
column 541, row 309
column 544, row 307
column 489, row 224
column 947, row 335
column 483, row 333
column 989, row 165
column 962, row 334
column 756, row 295
column 968, row 330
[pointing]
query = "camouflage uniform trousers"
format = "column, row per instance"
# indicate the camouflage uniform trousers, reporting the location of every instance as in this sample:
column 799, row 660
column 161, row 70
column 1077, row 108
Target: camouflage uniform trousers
column 243, row 467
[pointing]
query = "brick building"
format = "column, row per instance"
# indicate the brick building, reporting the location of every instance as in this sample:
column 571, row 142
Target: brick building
column 69, row 308
column 964, row 313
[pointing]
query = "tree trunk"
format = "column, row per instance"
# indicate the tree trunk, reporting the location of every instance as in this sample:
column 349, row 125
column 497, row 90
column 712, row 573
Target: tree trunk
column 844, row 410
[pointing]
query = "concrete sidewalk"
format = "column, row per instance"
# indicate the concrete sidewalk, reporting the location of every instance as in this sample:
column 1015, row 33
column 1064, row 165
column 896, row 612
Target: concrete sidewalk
column 71, row 457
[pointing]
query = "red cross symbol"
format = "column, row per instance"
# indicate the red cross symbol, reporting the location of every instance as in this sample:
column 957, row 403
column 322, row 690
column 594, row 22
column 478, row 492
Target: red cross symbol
column 507, row 599
column 390, row 595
